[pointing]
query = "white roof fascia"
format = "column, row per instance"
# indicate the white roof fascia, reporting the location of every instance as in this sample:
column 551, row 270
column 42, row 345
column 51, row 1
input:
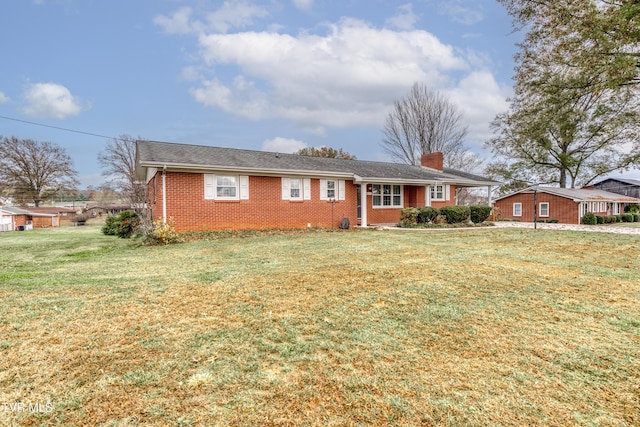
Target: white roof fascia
column 250, row 171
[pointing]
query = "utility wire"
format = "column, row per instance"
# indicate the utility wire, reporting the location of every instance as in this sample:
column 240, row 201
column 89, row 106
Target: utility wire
column 57, row 127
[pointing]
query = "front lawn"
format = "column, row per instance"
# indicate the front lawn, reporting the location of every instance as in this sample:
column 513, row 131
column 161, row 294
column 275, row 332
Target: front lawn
column 480, row 327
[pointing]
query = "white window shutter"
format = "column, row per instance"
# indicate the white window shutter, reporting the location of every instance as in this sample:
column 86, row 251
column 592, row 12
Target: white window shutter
column 323, row 189
column 286, row 189
column 244, row 187
column 209, row 186
column 447, row 189
column 306, row 188
column 341, row 189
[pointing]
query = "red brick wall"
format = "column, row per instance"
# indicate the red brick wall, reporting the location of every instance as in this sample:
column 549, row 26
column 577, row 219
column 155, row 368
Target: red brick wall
column 264, row 209
column 413, row 197
column 560, row 208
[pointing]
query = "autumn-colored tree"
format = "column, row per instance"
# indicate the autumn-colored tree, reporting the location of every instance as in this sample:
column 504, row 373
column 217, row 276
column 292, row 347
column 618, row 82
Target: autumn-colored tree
column 32, row 171
column 325, row 152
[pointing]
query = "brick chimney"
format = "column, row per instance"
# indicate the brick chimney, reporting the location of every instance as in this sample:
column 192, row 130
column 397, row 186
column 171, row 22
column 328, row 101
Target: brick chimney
column 433, row 160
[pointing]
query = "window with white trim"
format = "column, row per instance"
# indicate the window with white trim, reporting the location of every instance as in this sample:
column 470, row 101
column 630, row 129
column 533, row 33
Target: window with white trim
column 332, row 189
column 616, row 208
column 226, row 187
column 440, row 192
column 544, row 209
column 437, row 192
column 386, row 195
column 517, row 209
column 296, row 189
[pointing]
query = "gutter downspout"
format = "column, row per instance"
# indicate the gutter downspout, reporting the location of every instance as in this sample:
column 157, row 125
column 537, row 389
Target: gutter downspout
column 164, row 193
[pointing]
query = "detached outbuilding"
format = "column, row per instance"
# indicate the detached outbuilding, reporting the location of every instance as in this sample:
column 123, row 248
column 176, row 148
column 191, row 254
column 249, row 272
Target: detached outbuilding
column 567, row 205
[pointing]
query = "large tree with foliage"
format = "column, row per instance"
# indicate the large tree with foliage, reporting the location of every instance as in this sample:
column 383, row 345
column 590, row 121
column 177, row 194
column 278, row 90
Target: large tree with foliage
column 32, row 171
column 118, row 161
column 597, row 39
column 423, row 122
column 574, row 115
column 325, row 152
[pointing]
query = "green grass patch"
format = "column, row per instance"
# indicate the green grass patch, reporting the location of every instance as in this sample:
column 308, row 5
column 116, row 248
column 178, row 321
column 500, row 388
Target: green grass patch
column 486, row 326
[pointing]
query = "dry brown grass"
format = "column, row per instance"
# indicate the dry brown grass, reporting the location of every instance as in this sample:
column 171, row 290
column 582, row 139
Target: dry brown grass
column 482, row 327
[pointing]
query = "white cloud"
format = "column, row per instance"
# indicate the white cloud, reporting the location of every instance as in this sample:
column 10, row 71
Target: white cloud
column 303, row 4
column 461, row 13
column 51, row 100
column 3, row 98
column 346, row 77
column 232, row 14
column 405, row 19
column 283, row 145
column 480, row 98
column 178, row 23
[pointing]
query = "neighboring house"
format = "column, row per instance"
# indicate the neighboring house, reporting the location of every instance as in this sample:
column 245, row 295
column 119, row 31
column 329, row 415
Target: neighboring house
column 567, row 205
column 108, row 208
column 6, row 220
column 66, row 216
column 27, row 218
column 627, row 187
column 209, row 188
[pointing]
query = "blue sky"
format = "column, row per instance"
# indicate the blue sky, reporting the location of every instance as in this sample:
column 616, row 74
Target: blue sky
column 257, row 74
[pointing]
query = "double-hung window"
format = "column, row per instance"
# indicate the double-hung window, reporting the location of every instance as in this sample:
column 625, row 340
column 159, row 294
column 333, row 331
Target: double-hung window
column 517, row 209
column 386, row 195
column 544, row 209
column 226, row 187
column 332, row 189
column 296, row 189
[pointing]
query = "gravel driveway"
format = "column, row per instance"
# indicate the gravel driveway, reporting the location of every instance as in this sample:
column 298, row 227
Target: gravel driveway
column 594, row 228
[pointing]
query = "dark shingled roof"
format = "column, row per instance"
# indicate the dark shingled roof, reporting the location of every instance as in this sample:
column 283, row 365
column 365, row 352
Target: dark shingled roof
column 153, row 154
column 623, row 180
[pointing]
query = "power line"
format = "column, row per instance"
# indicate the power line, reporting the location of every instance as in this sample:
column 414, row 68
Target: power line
column 57, row 127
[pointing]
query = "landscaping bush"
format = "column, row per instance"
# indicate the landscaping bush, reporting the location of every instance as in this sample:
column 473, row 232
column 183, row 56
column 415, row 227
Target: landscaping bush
column 609, row 219
column 600, row 219
column 110, row 226
column 589, row 219
column 455, row 214
column 618, row 218
column 632, row 208
column 123, row 225
column 409, row 217
column 552, row 221
column 427, row 214
column 479, row 213
column 636, row 217
column 161, row 233
column 627, row 217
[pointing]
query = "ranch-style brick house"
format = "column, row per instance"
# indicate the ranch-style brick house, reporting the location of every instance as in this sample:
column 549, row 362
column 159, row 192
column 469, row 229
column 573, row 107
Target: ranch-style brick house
column 567, row 205
column 215, row 188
